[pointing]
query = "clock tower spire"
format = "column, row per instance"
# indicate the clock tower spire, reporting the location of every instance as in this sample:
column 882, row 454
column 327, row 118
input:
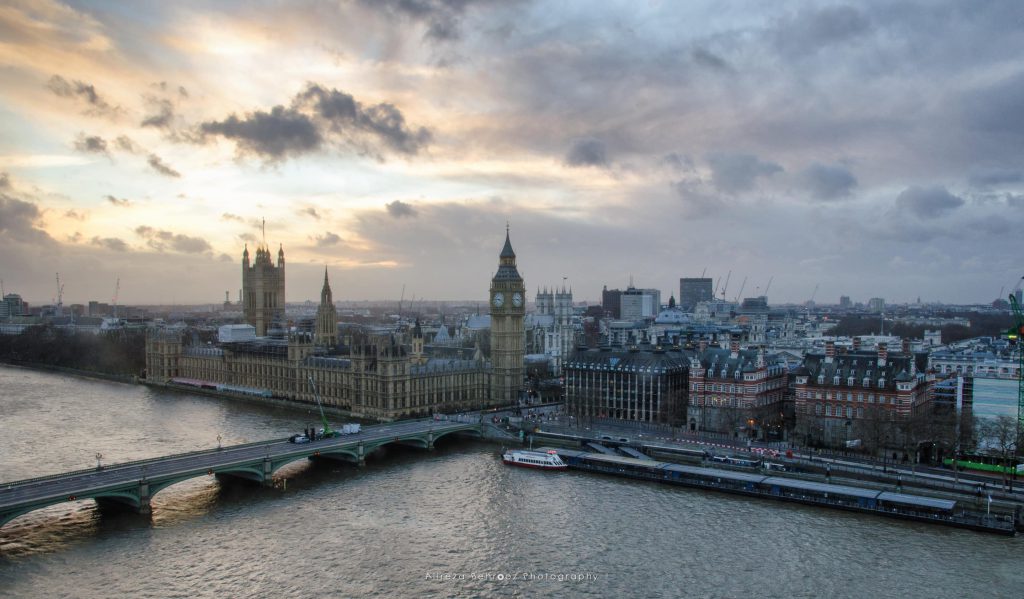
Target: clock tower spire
column 508, row 334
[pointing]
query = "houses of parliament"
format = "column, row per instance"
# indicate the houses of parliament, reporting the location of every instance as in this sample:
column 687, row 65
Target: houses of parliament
column 382, row 376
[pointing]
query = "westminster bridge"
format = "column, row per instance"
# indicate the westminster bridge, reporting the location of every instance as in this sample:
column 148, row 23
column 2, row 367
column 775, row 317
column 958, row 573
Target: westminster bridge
column 133, row 484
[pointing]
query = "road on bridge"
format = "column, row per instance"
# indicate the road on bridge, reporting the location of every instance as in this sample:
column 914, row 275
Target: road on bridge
column 18, row 495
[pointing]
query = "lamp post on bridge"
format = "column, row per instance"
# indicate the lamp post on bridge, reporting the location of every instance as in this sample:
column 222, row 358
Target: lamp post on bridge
column 99, row 463
column 218, row 441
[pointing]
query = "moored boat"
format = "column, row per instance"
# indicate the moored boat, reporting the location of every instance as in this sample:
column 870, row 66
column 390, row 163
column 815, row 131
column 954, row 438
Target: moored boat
column 534, row 459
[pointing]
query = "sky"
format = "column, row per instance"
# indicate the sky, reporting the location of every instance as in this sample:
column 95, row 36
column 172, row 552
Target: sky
column 870, row 149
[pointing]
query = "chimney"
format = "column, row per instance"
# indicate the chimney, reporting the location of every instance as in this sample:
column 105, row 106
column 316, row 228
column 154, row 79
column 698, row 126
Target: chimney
column 883, row 354
column 702, row 345
column 906, row 345
column 830, row 351
column 856, row 344
column 734, row 346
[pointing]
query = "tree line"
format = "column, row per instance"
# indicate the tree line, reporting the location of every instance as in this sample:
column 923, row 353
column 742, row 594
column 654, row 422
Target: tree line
column 120, row 352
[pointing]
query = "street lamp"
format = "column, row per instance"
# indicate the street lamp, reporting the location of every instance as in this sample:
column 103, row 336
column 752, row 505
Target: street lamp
column 218, row 441
column 99, row 463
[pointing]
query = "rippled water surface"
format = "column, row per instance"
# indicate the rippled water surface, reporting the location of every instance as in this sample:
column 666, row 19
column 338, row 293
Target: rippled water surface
column 453, row 522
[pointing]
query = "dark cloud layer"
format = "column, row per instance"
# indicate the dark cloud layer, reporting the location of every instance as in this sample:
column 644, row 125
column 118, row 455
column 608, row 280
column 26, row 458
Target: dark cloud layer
column 122, row 202
column 928, row 202
column 826, row 182
column 587, row 152
column 315, row 117
column 442, row 18
column 735, row 173
column 274, row 135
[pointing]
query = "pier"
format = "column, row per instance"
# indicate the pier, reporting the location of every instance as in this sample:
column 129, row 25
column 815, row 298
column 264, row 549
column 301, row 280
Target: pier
column 757, row 484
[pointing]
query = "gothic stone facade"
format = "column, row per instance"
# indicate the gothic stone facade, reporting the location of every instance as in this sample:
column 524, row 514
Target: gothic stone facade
column 381, row 377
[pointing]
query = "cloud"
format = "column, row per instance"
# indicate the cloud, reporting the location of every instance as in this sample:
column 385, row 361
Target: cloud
column 126, row 144
column 91, row 144
column 827, row 182
column 679, row 162
column 318, row 116
column 697, row 201
column 441, row 17
column 928, row 202
column 161, row 240
column 111, row 243
column 383, row 122
column 74, row 215
column 587, row 152
column 273, row 135
column 164, row 116
column 234, row 217
column 159, row 166
column 735, row 173
column 816, row 28
column 122, row 202
column 5, row 181
column 712, row 61
column 311, row 211
column 985, row 178
column 326, row 240
column 399, row 209
column 83, row 91
column 20, row 220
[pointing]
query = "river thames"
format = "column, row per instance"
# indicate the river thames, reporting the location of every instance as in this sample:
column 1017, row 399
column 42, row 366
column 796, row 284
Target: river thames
column 453, row 522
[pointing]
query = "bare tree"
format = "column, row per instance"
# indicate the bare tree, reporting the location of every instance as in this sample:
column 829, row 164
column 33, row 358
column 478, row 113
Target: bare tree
column 1002, row 433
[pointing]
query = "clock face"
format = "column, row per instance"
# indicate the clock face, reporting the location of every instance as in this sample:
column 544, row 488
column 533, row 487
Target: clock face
column 517, row 300
column 499, row 299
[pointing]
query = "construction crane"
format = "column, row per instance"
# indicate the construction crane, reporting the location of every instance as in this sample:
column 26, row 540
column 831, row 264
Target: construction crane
column 726, row 286
column 328, row 433
column 117, row 292
column 60, row 297
column 742, row 287
column 813, row 294
column 769, row 286
column 400, row 301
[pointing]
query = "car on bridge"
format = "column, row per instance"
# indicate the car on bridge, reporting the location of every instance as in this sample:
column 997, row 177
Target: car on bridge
column 298, row 439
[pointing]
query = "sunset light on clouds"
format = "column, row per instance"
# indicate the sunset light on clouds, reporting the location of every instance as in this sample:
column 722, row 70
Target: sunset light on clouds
column 874, row 148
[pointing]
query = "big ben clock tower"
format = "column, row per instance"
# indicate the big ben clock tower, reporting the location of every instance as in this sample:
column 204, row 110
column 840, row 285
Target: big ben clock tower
column 508, row 335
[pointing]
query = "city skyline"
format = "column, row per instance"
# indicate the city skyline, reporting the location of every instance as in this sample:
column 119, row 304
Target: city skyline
column 869, row 150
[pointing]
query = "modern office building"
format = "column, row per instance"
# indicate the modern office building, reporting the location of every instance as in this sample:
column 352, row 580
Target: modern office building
column 692, row 291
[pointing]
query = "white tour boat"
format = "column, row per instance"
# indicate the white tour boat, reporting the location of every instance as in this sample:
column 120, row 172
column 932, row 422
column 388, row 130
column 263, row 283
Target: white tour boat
column 534, row 459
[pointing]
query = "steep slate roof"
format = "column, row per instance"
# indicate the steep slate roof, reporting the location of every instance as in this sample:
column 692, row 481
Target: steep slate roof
column 860, row 364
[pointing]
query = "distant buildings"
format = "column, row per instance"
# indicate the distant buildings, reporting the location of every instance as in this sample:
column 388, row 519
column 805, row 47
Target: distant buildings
column 611, row 301
column 844, row 302
column 876, row 305
column 693, row 291
column 639, row 304
column 12, row 305
column 552, row 329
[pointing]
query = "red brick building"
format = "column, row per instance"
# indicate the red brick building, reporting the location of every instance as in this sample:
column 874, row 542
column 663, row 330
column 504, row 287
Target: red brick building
column 858, row 395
